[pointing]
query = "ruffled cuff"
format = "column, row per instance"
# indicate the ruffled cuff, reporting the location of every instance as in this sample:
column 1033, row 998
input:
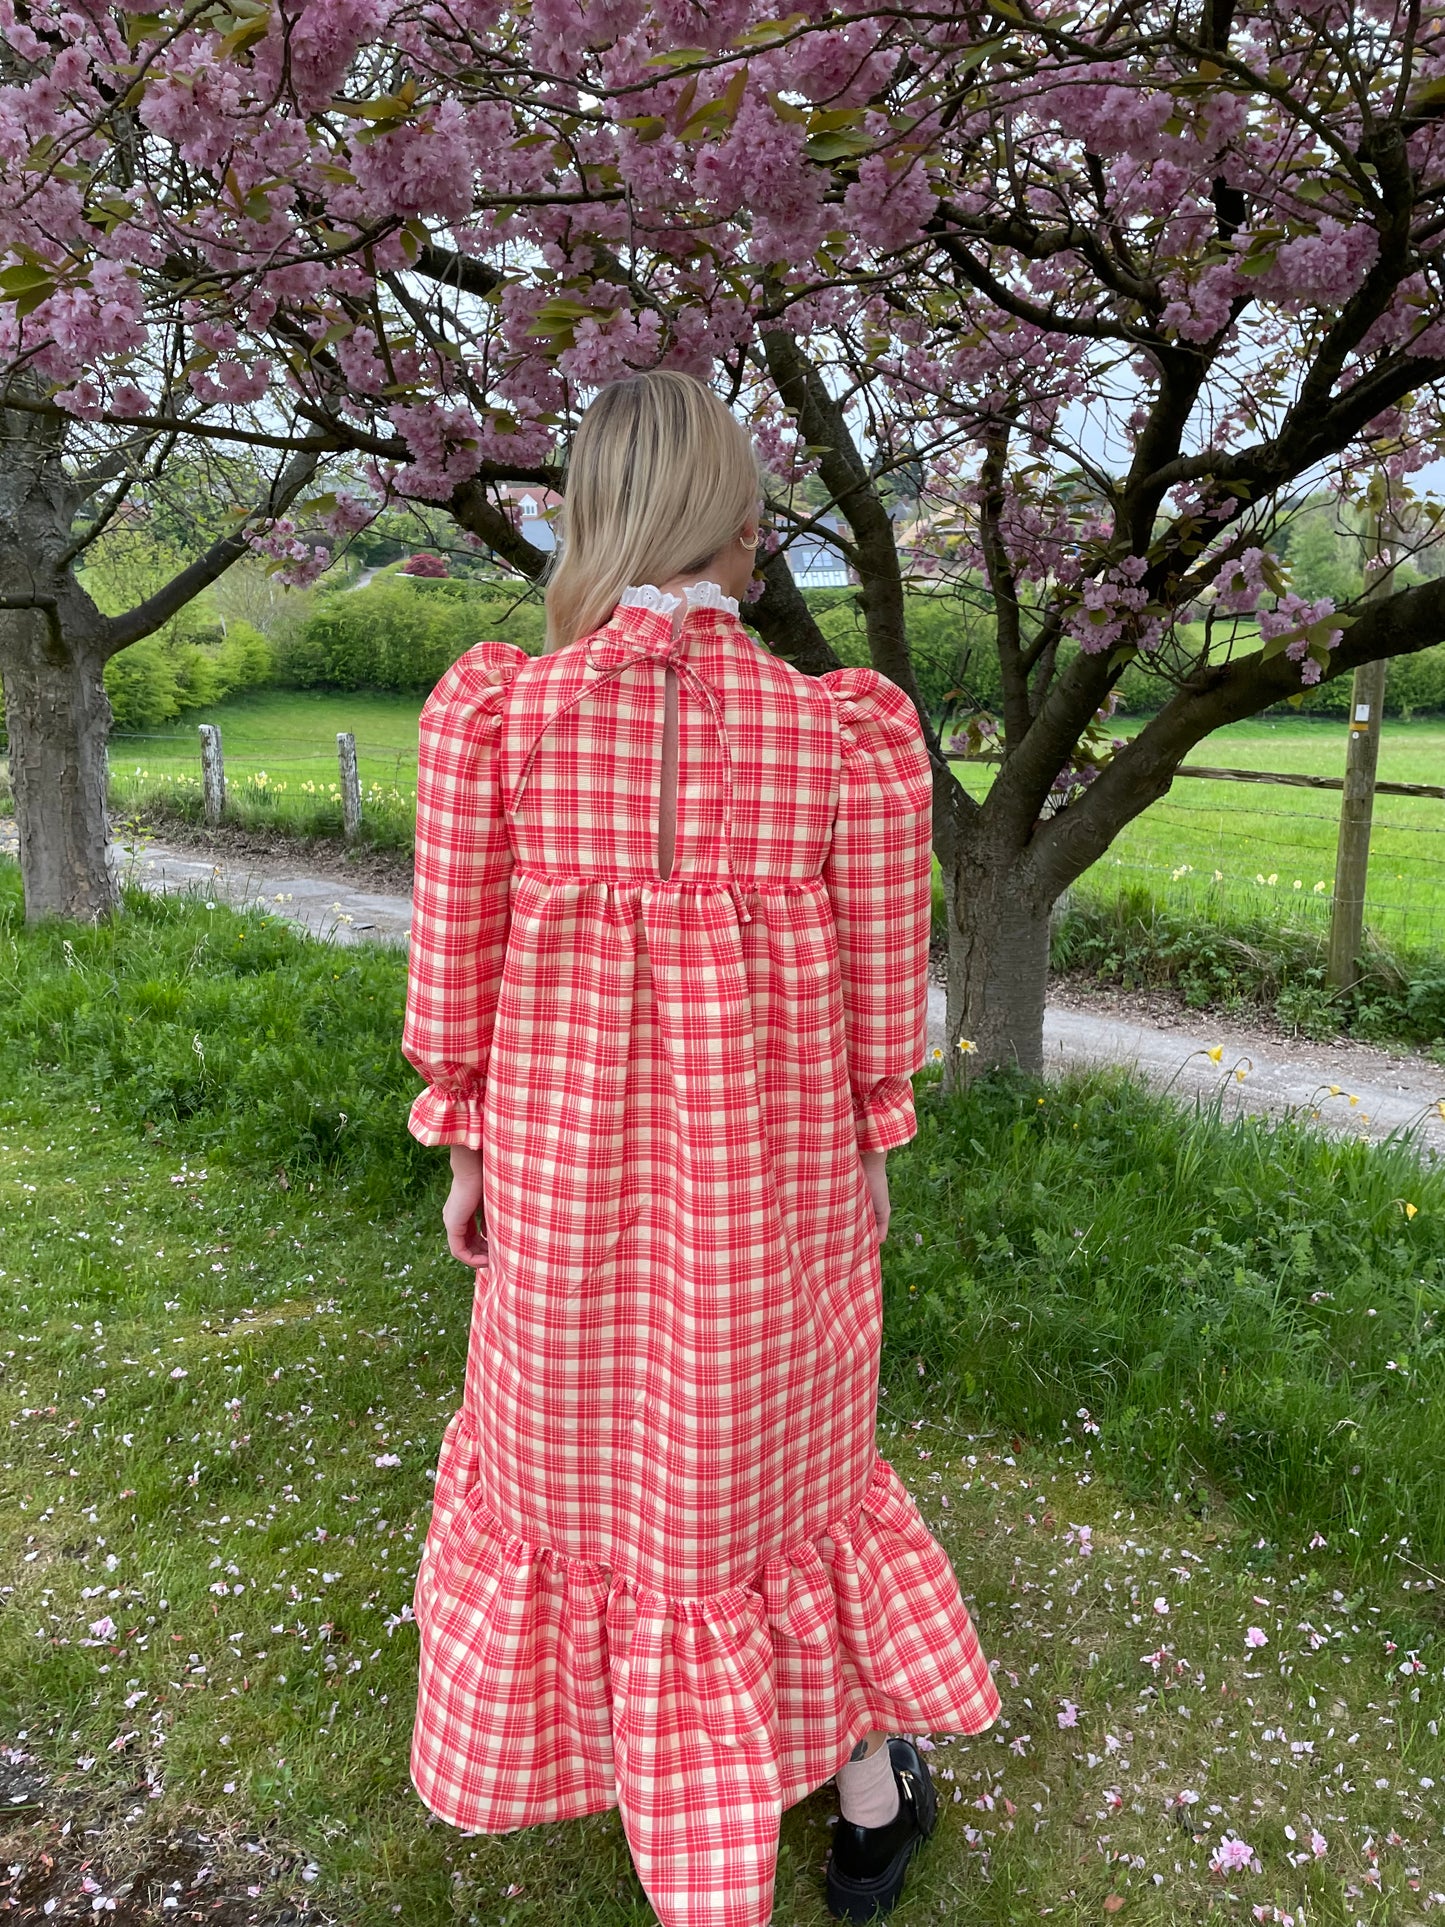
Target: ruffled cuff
column 446, row 1116
column 886, row 1118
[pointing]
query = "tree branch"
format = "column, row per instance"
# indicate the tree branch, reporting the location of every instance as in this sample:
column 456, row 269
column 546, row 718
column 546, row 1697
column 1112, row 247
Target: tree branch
column 120, row 631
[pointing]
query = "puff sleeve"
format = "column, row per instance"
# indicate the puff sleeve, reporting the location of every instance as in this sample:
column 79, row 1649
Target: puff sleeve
column 460, row 898
column 878, row 874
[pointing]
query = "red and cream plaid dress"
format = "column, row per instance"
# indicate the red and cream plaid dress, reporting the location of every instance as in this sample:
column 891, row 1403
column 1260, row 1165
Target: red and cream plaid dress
column 667, row 1568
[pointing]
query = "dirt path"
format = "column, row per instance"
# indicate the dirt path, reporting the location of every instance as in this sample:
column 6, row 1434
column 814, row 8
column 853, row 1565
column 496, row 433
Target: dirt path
column 1353, row 1088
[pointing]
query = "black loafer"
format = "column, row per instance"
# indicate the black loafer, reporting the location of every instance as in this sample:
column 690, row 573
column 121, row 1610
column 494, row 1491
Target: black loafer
column 867, row 1864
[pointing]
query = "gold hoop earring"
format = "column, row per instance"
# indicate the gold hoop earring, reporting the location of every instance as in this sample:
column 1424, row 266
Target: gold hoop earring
column 744, row 543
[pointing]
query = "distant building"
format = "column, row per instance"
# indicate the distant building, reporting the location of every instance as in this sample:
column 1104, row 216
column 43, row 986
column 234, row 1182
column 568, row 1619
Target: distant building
column 814, row 561
column 530, row 510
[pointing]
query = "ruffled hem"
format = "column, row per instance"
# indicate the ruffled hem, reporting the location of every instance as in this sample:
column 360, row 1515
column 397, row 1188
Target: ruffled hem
column 887, row 1118
column 438, row 1117
column 551, row 1687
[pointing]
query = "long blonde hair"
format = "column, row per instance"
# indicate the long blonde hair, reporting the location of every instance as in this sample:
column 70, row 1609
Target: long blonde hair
column 660, row 478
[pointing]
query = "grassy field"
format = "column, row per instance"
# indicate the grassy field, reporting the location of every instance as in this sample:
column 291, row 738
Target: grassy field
column 1171, row 1391
column 281, row 764
column 1213, row 850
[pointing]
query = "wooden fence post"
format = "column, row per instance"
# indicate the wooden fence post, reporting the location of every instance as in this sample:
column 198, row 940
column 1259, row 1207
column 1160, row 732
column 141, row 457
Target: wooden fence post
column 1357, row 801
column 213, row 772
column 350, row 784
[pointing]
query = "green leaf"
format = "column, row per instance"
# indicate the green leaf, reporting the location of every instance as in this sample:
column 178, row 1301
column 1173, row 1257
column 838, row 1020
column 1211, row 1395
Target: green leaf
column 1261, row 263
column 17, row 280
column 142, row 26
column 837, row 147
column 721, row 112
column 27, row 303
column 647, row 127
column 240, row 38
column 785, row 110
column 768, row 32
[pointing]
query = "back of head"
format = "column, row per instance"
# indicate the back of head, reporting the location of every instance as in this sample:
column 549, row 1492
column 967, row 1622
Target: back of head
column 661, row 477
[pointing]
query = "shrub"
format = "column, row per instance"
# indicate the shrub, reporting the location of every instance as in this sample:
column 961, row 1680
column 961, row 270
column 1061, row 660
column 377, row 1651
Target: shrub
column 402, row 635
column 153, row 681
column 1232, row 960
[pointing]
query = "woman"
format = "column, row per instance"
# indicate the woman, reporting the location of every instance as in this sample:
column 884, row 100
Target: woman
column 667, row 987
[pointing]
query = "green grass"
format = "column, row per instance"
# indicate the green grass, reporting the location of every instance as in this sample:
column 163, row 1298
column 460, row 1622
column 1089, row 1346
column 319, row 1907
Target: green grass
column 224, row 1307
column 1230, row 852
column 281, row 765
column 1213, row 852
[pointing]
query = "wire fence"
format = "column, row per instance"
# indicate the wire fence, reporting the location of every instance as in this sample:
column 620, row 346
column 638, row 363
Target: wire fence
column 1212, row 848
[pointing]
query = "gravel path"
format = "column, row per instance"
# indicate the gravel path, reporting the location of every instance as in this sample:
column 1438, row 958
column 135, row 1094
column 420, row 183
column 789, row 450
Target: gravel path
column 1351, row 1087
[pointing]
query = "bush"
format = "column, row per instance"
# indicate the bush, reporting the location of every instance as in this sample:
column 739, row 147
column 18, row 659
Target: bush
column 1233, row 961
column 153, row 681
column 402, row 635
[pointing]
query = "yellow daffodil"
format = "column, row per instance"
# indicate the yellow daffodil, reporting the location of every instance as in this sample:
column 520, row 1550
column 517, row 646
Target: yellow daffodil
column 967, row 1045
column 1216, row 1054
column 1410, row 1209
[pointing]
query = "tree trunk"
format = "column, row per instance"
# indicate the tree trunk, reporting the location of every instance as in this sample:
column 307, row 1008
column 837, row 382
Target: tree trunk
column 998, row 963
column 58, row 717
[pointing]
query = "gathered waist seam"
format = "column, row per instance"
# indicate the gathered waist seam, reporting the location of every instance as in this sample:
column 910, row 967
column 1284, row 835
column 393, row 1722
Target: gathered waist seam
column 747, row 885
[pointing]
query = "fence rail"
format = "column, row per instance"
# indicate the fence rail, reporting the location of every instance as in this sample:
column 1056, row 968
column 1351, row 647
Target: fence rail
column 1290, row 777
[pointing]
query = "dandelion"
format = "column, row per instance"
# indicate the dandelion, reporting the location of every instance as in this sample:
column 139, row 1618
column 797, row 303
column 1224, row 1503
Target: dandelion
column 1256, row 1636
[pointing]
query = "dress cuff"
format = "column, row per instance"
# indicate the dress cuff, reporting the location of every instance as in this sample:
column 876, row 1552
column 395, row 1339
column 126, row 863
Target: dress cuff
column 885, row 1118
column 438, row 1117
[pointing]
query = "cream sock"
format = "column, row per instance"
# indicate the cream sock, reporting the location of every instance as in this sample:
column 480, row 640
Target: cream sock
column 867, row 1789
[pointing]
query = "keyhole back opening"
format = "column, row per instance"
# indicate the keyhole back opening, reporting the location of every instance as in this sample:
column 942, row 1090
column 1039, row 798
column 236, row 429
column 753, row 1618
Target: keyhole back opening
column 667, row 796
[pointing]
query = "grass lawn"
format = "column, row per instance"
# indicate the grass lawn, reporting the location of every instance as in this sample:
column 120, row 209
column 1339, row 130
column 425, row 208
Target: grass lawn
column 1156, row 1381
column 1230, row 851
column 281, row 766
column 1272, row 848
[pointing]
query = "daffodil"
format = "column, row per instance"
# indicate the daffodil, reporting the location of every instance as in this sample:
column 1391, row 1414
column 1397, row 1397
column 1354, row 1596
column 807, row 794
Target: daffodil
column 1410, row 1209
column 1215, row 1054
column 967, row 1045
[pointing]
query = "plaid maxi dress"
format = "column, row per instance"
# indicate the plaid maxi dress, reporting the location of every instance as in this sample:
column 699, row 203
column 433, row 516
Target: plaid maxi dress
column 667, row 1568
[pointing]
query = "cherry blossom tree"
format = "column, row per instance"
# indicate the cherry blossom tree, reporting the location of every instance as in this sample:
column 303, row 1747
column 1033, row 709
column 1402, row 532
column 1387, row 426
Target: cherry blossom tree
column 1100, row 291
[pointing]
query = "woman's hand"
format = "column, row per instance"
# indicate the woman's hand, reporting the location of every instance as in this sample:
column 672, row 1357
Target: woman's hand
column 462, row 1212
column 875, row 1169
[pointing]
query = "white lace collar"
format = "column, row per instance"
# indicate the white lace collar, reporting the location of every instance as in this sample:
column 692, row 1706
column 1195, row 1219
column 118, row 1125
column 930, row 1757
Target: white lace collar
column 697, row 595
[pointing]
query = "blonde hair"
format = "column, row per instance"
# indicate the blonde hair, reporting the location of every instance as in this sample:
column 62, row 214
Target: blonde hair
column 660, row 478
